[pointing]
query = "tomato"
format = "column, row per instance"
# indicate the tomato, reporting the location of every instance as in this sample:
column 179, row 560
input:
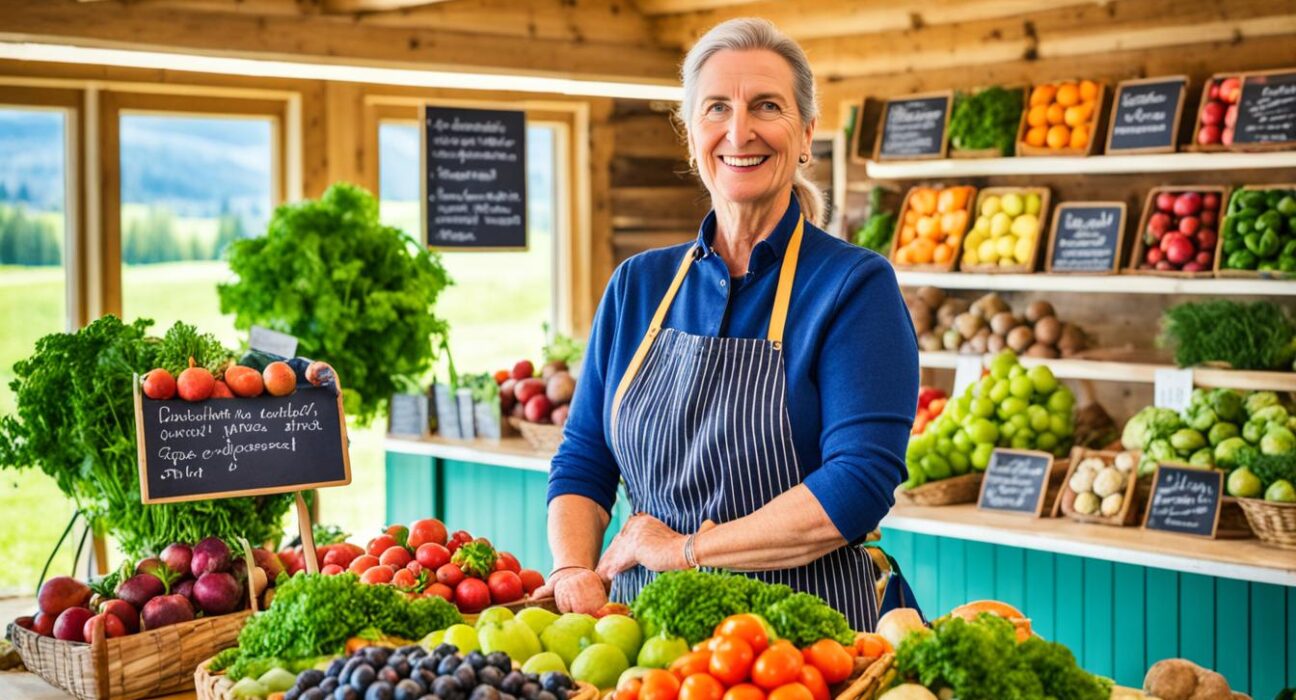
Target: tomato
column 396, row 556
column 830, row 657
column 731, row 660
column 422, row 532
column 331, row 570
column 701, row 686
column 432, row 555
column 791, row 691
column 707, row 644
column 501, row 375
column 400, row 533
column 415, row 568
column 404, row 579
column 659, row 685
column 814, row 681
column 507, row 562
column 472, row 595
column 363, row 563
column 450, row 575
column 628, row 691
column 531, row 580
column 377, row 574
column 380, row 544
column 748, row 627
column 691, row 663
column 744, row 691
column 439, row 590
column 341, row 554
column 872, row 645
column 505, row 587
column 778, row 665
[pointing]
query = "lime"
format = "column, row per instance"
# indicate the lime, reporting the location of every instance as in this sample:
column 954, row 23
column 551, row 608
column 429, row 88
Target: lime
column 1042, row 377
column 1000, row 391
column 1242, row 483
column 599, row 665
column 983, row 407
column 1016, row 371
column 433, row 639
column 1046, row 441
column 1021, row 420
column 984, row 432
column 981, row 456
column 984, row 386
column 660, row 651
column 543, row 662
column 1022, row 440
column 944, row 446
column 1011, row 406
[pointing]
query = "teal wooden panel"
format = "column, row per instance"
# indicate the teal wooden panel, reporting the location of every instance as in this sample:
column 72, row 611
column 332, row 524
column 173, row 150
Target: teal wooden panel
column 980, row 568
column 952, row 583
column 1162, row 601
column 1268, row 639
column 1040, row 593
column 1196, row 624
column 1291, row 637
column 1010, row 576
column 411, row 487
column 1068, row 604
column 1099, row 618
column 1128, row 633
column 1233, row 630
column 926, row 575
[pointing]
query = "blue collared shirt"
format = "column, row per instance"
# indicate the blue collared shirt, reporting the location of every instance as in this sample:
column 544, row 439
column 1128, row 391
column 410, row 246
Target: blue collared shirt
column 849, row 353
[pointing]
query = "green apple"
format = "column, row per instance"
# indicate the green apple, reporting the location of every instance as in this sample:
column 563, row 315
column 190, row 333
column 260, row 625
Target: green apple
column 661, row 650
column 599, row 665
column 511, row 637
column 492, row 615
column 433, row 640
column 462, row 637
column 1242, row 483
column 568, row 635
column 543, row 662
column 621, row 632
column 537, row 618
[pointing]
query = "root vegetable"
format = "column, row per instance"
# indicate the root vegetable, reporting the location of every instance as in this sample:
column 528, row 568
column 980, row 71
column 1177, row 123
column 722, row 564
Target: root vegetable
column 995, row 344
column 560, row 388
column 968, row 324
column 1108, row 481
column 1081, row 481
column 1111, row 504
column 166, row 610
column 950, row 339
column 210, row 555
column 1125, row 462
column 989, row 305
column 933, row 297
column 139, row 589
column 279, row 379
column 929, row 342
column 1003, row 322
column 60, row 593
column 1071, row 341
column 1041, row 350
column 1087, row 503
column 1020, row 338
column 70, row 623
column 1048, row 330
column 920, row 314
column 217, row 593
column 1037, row 310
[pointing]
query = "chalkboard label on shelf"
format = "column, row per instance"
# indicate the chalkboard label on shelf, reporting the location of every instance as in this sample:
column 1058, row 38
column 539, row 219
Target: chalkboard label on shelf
column 1185, row 500
column 408, row 415
column 1146, row 116
column 474, row 178
column 221, row 448
column 1016, row 481
column 915, row 127
column 1087, row 237
column 1267, row 109
column 262, row 339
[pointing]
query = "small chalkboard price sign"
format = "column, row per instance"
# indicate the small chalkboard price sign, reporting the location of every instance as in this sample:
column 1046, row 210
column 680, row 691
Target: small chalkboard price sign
column 1086, row 237
column 1267, row 111
column 915, row 127
column 1146, row 116
column 474, row 178
column 408, row 415
column 1016, row 481
column 1185, row 500
column 222, row 448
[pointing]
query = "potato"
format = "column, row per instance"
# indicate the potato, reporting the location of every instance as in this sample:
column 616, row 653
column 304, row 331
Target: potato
column 968, row 324
column 1071, row 341
column 932, row 296
column 1087, row 504
column 1041, row 350
column 929, row 341
column 1037, row 310
column 950, row 339
column 1048, row 330
column 1003, row 322
column 1081, row 481
column 1108, row 481
column 921, row 316
column 995, row 344
column 1020, row 338
column 1111, row 505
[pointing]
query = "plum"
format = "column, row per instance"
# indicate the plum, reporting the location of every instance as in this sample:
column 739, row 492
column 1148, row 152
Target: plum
column 70, row 624
column 166, row 610
column 60, row 593
column 217, row 593
column 124, row 611
column 178, row 557
column 210, row 555
column 140, row 589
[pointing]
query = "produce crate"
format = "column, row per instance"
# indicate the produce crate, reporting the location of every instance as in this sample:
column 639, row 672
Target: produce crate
column 542, row 437
column 1274, row 523
column 993, row 268
column 945, row 492
column 141, row 665
column 967, row 153
column 900, row 223
column 1240, row 147
column 1097, row 121
column 1149, row 205
column 1128, row 514
column 1220, row 270
column 1197, row 122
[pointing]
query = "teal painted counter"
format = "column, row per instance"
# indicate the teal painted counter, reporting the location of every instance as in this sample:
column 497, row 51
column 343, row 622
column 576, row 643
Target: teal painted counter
column 1120, row 599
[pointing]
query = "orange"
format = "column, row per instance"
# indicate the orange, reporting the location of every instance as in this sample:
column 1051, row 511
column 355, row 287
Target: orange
column 960, row 195
column 872, row 645
column 1068, row 94
column 1037, row 116
column 911, row 216
column 969, row 611
column 1037, row 135
column 907, row 234
column 1058, row 136
column 1080, row 137
column 701, row 686
column 732, row 659
column 792, row 691
column 1078, row 114
column 691, row 663
column 942, row 253
column 954, row 222
column 744, row 691
column 1042, row 95
column 922, row 251
column 1088, row 90
column 903, row 257
column 1056, row 113
column 924, row 200
column 945, row 200
column 928, row 227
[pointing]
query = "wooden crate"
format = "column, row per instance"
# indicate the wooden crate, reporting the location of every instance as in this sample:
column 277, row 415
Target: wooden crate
column 1197, row 122
column 962, row 153
column 945, row 492
column 900, row 222
column 1128, row 514
column 1219, row 269
column 1045, row 196
column 1097, row 121
column 1149, row 204
column 1253, row 147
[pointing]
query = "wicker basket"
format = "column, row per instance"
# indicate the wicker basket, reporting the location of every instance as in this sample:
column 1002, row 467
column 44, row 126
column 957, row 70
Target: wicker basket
column 945, row 492
column 541, row 437
column 1274, row 523
column 141, row 665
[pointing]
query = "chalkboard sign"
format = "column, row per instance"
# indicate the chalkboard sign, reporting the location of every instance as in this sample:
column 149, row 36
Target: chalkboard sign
column 1016, row 481
column 1086, row 237
column 408, row 415
column 1184, row 500
column 474, row 178
column 1267, row 110
column 1146, row 116
column 914, row 127
column 220, row 448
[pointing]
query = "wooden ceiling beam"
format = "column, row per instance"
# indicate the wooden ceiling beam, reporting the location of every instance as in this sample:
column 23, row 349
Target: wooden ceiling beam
column 341, row 7
column 662, row 7
column 603, row 21
column 281, row 8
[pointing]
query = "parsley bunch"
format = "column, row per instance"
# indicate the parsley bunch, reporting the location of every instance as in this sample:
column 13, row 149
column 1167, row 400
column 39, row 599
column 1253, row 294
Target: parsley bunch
column 987, row 119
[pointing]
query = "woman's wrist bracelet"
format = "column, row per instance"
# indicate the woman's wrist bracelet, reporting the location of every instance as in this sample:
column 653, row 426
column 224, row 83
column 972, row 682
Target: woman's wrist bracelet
column 565, row 568
column 690, row 556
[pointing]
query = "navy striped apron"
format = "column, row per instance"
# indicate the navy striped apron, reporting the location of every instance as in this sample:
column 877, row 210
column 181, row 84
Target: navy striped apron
column 700, row 431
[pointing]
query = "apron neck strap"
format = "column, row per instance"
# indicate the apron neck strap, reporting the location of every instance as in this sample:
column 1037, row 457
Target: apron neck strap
column 783, row 295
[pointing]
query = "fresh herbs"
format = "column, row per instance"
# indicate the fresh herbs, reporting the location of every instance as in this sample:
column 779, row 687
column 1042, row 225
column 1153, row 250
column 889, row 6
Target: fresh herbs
column 561, row 348
column 987, row 119
column 878, row 229
column 1257, row 335
column 354, row 293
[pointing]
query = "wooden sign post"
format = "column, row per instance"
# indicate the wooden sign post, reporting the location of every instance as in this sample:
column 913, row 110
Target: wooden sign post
column 1146, row 116
column 1185, row 500
column 1016, row 481
column 915, row 127
column 1086, row 237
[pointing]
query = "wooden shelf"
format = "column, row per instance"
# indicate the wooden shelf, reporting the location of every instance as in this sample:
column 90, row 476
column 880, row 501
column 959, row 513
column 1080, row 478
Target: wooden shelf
column 1247, row 560
column 1135, row 372
column 1109, row 284
column 1096, row 165
column 512, row 452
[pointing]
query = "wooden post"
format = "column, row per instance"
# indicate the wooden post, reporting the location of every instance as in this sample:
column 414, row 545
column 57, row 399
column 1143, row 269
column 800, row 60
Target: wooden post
column 307, row 537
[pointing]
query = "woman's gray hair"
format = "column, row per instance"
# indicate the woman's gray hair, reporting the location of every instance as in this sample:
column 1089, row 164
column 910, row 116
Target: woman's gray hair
column 753, row 34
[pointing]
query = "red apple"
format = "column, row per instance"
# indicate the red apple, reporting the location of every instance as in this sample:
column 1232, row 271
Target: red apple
column 1230, row 89
column 527, row 388
column 1193, row 267
column 1230, row 116
column 1165, row 265
column 1187, row 204
column 1214, row 91
column 1204, row 257
column 1165, row 201
column 1189, row 225
column 1227, row 137
column 1158, row 224
column 1180, row 250
column 1167, row 239
column 538, row 409
column 523, row 369
column 1209, row 134
column 1212, row 113
column 1154, row 256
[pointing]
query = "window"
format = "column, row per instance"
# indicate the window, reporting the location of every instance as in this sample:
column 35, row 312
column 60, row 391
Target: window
column 190, row 185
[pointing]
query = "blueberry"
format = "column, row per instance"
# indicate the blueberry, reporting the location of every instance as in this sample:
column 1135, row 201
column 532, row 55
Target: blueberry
column 513, row 682
column 499, row 660
column 448, row 665
column 362, row 676
column 444, row 649
column 546, row 695
column 328, row 685
column 335, row 668
column 466, row 676
column 425, row 676
column 345, row 692
column 477, row 659
column 388, row 675
column 484, row 692
column 377, row 656
column 429, row 663
column 409, row 690
column 310, row 678
column 533, row 677
column 490, row 676
column 293, row 693
column 530, row 690
column 312, row 694
column 554, row 681
column 380, row 690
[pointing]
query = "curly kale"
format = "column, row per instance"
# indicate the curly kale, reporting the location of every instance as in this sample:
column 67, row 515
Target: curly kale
column 976, row 660
column 1056, row 668
column 805, row 619
column 988, row 119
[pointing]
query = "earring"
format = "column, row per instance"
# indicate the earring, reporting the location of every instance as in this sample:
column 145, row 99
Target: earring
column 805, row 158
column 692, row 163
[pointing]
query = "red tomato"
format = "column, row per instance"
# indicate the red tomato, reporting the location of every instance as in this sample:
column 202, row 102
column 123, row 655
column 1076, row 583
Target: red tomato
column 744, row 691
column 778, row 665
column 342, row 554
column 505, row 587
column 450, row 575
column 398, row 532
column 531, row 580
column 831, row 658
column 501, row 375
column 426, row 531
column 432, row 556
column 870, row 645
column 380, row 544
column 659, row 684
column 439, row 590
column 629, row 690
column 507, row 562
column 691, row 663
column 414, row 568
column 701, row 686
column 377, row 574
column 396, row 556
column 404, row 579
column 362, row 563
column 791, row 691
column 814, row 681
column 707, row 644
column 472, row 595
column 731, row 660
column 748, row 627
column 331, row 570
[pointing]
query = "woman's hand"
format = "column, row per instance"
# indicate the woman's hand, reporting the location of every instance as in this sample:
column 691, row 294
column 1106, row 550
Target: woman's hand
column 643, row 540
column 575, row 590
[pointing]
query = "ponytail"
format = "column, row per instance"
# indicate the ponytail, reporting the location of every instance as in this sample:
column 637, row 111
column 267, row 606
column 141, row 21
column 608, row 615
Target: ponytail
column 809, row 196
